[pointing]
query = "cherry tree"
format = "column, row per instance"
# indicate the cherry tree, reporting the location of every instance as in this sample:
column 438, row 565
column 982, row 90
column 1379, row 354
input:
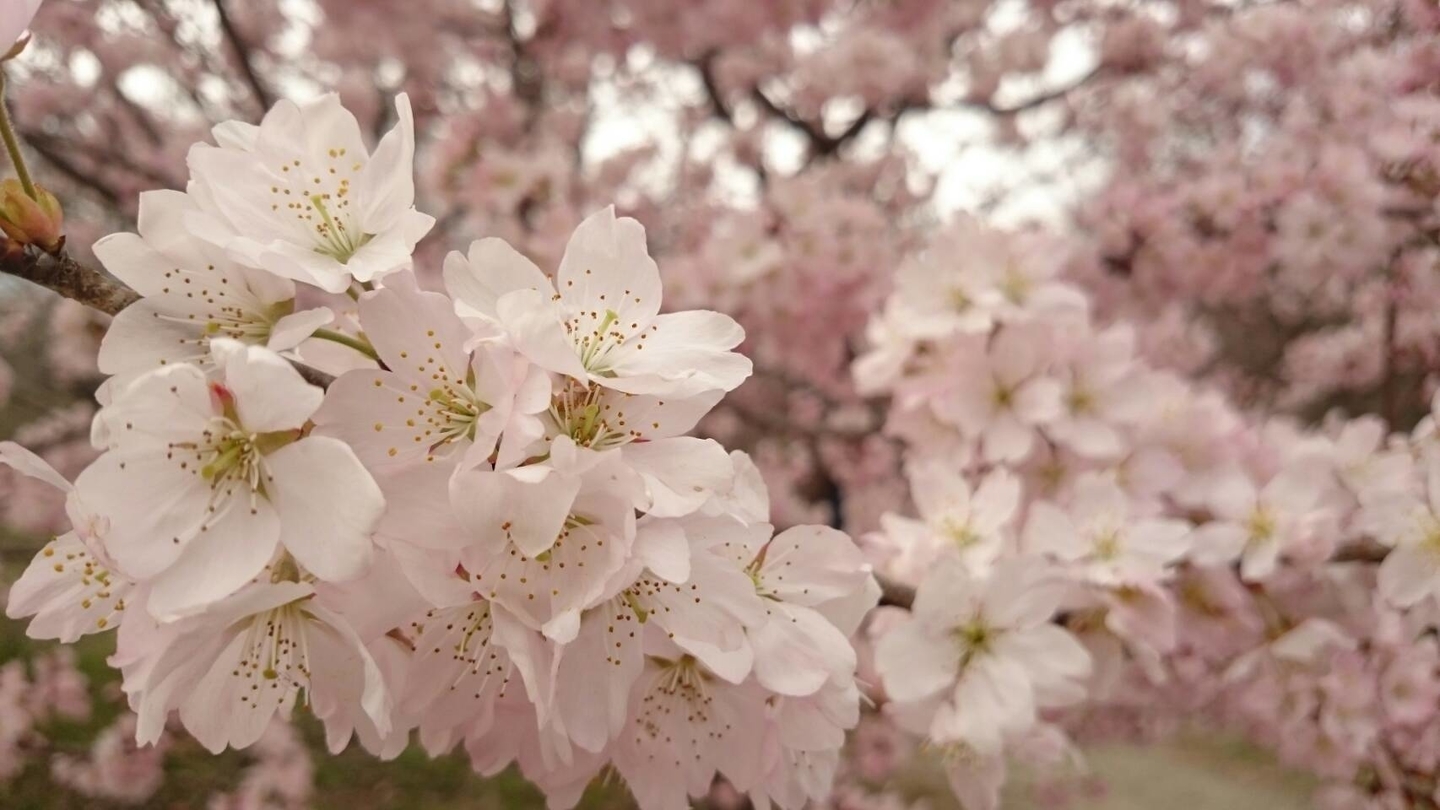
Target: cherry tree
column 514, row 376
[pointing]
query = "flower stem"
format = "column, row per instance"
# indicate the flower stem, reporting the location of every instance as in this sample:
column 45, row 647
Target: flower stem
column 359, row 344
column 12, row 144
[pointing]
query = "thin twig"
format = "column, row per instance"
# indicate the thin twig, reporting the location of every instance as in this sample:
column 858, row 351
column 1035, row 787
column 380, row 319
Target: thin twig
column 242, row 55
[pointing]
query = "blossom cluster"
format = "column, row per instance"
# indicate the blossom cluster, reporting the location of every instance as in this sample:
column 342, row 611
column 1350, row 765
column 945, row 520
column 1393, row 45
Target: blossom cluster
column 1092, row 529
column 492, row 529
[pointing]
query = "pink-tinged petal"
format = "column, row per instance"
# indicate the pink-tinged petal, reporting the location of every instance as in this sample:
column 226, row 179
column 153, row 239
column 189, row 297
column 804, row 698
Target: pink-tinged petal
column 146, row 534
column 140, row 339
column 68, row 593
column 386, row 253
column 1295, row 491
column 1161, row 540
column 328, row 504
column 1007, row 439
column 527, row 506
column 1055, row 662
column 346, row 689
column 168, row 403
column 1260, row 560
column 596, row 672
column 1022, row 592
column 27, row 463
column 995, row 501
column 1217, row 543
column 297, row 327
column 680, row 474
column 947, row 596
column 1233, row 497
column 538, row 334
column 417, row 335
column 664, row 549
column 993, row 699
column 1049, row 530
column 607, row 266
column 232, row 546
column 1408, row 575
column 938, row 488
column 798, row 651
column 914, row 664
column 682, row 353
column 811, row 565
column 129, row 258
column 491, row 269
column 386, row 185
column 1039, row 401
column 209, row 708
column 1432, row 479
column 976, row 779
column 1088, row 437
column 270, row 395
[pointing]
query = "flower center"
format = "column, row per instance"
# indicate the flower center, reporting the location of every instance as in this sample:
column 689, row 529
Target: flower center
column 959, row 532
column 1261, row 525
column 275, row 654
column 337, row 239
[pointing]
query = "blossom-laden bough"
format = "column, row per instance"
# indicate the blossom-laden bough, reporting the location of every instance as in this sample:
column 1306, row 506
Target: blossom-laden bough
column 496, row 506
column 561, row 578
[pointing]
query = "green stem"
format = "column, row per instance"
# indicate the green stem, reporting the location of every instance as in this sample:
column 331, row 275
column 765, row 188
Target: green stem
column 12, row 145
column 359, row 344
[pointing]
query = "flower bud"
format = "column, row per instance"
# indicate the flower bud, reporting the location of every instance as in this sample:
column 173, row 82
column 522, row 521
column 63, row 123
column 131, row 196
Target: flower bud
column 31, row 222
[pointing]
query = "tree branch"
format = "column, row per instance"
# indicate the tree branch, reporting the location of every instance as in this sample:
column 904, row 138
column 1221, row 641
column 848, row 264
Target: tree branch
column 706, row 66
column 242, row 55
column 61, row 273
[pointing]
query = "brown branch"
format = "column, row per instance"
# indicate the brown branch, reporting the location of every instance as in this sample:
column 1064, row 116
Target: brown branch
column 822, row 144
column 706, row 66
column 242, row 56
column 1036, row 101
column 61, row 273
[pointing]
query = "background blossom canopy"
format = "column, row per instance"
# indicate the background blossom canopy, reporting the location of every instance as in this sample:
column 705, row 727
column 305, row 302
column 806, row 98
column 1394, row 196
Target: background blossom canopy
column 802, row 403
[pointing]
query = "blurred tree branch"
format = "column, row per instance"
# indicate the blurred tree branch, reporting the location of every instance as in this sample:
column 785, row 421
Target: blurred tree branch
column 242, row 56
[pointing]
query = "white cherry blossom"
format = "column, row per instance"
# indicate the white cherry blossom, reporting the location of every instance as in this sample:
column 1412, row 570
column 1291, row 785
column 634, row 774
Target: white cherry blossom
column 192, row 293
column 599, row 321
column 231, row 480
column 300, row 195
column 71, row 587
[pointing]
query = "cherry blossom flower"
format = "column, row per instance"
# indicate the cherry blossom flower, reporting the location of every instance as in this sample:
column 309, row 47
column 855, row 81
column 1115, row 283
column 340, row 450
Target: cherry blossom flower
column 1099, row 534
column 193, row 292
column 71, row 587
column 1005, row 393
column 1409, row 522
column 235, row 477
column 1258, row 525
column 979, row 657
column 244, row 661
column 600, row 320
column 975, row 525
column 300, row 196
column 436, row 398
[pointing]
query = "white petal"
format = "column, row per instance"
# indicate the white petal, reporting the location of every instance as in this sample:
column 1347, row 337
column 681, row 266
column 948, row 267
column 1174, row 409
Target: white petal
column 328, row 506
column 270, row 395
